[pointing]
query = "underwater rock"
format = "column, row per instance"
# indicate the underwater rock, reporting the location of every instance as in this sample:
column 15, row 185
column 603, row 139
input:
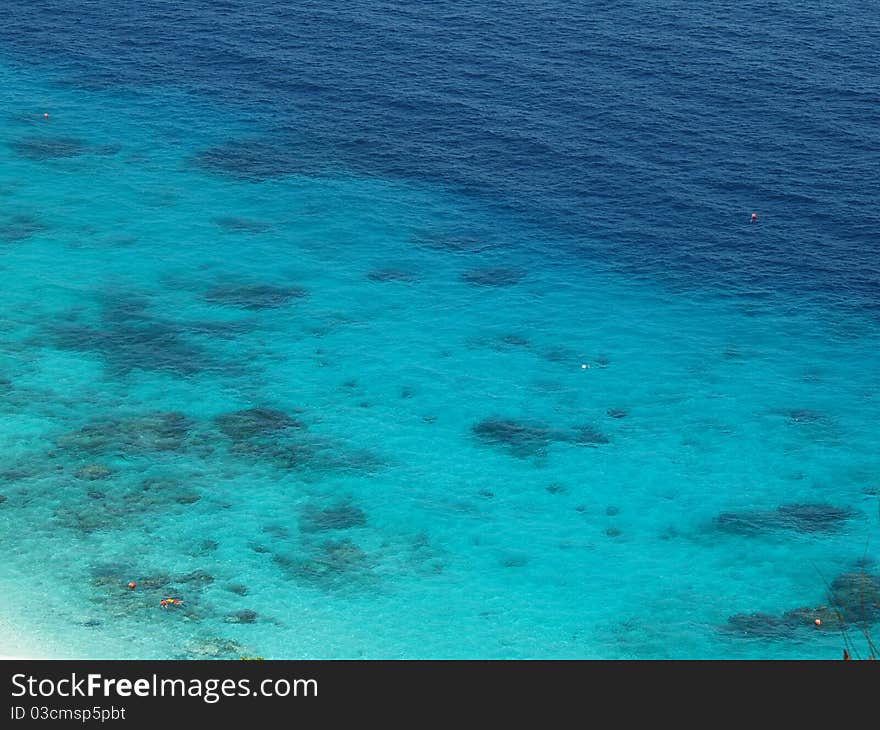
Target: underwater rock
column 523, row 438
column 95, row 494
column 406, row 392
column 256, row 159
column 804, row 415
column 129, row 338
column 20, row 227
column 196, row 577
column 159, row 493
column 760, row 626
column 241, row 225
column 856, row 596
column 49, row 148
column 202, row 547
column 335, row 563
column 245, row 616
column 613, row 532
column 747, row 523
column 616, row 413
column 810, row 518
column 519, row 437
column 611, row 510
column 514, row 340
column 93, row 472
column 588, row 436
column 159, row 431
column 214, row 648
column 487, row 493
column 514, row 561
column 159, row 580
column 814, row 517
column 556, row 489
column 276, row 530
column 830, row 619
column 339, row 517
column 253, row 422
column 253, row 297
column 237, row 588
column 493, row 276
column 83, row 519
column 391, row 275
column 3, row 498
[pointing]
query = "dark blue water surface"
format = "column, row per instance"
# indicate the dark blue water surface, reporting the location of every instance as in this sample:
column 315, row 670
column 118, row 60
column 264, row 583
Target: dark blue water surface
column 654, row 127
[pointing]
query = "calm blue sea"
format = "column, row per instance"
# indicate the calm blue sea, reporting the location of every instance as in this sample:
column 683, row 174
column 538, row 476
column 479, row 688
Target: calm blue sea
column 439, row 330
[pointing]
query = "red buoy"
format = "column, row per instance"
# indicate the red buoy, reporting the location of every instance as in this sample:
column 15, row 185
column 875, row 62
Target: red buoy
column 754, row 217
column 132, row 585
column 45, row 115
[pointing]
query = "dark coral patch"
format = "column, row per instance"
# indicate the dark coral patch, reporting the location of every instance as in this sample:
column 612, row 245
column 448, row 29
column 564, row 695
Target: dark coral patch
column 334, row 564
column 233, row 224
column 49, row 148
column 129, row 338
column 254, row 423
column 253, row 297
column 157, row 431
column 856, row 596
column 759, row 626
column 255, row 159
column 338, row 517
column 493, row 276
column 814, row 517
column 588, row 436
column 20, row 227
column 382, row 275
column 519, row 437
column 524, row 438
column 809, row 518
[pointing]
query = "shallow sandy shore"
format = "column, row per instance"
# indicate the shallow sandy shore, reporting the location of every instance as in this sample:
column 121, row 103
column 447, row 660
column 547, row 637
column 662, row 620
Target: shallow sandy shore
column 14, row 645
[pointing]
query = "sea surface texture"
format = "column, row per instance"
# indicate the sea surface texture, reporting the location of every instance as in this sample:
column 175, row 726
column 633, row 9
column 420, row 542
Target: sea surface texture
column 440, row 330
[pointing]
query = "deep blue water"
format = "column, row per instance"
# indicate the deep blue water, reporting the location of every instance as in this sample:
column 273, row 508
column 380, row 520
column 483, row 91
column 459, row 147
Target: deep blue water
column 401, row 230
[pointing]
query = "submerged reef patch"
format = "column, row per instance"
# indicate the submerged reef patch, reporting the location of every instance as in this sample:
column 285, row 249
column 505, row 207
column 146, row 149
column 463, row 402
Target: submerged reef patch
column 42, row 148
column 853, row 601
column 234, row 224
column 382, row 275
column 143, row 434
column 526, row 438
column 253, row 297
column 128, row 338
column 808, row 518
column 256, row 159
column 255, row 422
column 493, row 276
column 341, row 516
column 330, row 565
column 20, row 227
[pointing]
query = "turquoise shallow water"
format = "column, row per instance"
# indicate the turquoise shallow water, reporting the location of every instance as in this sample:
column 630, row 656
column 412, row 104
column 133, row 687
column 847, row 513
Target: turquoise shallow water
column 432, row 473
